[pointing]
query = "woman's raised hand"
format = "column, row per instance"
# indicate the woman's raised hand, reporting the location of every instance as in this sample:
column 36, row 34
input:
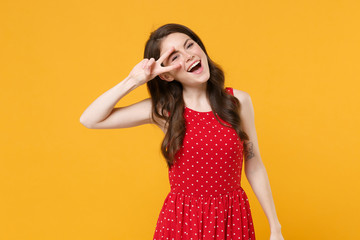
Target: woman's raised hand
column 147, row 69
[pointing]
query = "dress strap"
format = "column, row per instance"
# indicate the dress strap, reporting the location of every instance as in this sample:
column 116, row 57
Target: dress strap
column 230, row 90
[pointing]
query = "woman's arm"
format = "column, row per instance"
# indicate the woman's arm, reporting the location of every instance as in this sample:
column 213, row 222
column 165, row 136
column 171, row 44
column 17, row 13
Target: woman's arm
column 102, row 114
column 104, row 104
column 254, row 168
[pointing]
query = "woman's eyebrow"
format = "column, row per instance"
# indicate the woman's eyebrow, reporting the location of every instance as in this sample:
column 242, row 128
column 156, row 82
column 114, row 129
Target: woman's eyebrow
column 176, row 50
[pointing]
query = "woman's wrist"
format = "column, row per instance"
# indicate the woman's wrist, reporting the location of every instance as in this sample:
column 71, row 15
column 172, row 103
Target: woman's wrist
column 276, row 228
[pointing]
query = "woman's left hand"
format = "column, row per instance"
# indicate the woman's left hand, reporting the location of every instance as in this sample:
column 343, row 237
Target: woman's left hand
column 276, row 236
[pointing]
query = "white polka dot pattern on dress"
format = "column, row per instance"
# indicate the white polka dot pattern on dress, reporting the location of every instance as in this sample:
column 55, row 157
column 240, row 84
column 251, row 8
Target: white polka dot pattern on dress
column 206, row 200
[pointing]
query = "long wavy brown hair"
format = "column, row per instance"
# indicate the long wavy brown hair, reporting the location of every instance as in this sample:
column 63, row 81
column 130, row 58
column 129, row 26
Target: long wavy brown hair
column 167, row 97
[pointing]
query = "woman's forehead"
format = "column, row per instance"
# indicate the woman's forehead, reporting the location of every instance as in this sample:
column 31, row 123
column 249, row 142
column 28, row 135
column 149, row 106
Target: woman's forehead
column 174, row 39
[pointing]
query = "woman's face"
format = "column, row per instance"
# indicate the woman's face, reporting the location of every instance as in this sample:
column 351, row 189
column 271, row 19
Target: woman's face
column 186, row 53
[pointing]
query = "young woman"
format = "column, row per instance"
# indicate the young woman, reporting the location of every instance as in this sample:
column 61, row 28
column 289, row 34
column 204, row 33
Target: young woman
column 208, row 129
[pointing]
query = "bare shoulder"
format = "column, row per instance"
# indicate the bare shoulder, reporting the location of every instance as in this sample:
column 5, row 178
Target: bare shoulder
column 149, row 106
column 246, row 109
column 242, row 96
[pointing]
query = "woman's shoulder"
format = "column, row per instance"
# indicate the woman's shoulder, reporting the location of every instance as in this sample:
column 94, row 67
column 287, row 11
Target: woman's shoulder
column 239, row 94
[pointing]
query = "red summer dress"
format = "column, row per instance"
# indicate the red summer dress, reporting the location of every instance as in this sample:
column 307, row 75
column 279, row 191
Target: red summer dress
column 206, row 200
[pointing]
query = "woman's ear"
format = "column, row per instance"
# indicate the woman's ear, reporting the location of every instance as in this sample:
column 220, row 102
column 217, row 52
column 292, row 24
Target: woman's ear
column 166, row 77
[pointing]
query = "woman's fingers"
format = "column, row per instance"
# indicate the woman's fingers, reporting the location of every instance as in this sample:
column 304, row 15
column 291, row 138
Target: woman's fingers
column 144, row 62
column 165, row 55
column 149, row 65
column 170, row 68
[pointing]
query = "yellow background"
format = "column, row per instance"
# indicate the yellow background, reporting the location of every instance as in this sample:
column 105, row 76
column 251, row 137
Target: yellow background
column 298, row 60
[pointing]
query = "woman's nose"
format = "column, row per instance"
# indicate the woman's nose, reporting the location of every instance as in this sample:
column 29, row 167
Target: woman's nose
column 189, row 57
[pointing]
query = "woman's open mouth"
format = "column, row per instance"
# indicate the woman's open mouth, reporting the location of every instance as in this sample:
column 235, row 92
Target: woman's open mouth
column 198, row 68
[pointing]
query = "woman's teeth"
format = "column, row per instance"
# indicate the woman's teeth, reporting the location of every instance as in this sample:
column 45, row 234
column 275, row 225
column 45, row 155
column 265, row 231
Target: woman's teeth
column 192, row 66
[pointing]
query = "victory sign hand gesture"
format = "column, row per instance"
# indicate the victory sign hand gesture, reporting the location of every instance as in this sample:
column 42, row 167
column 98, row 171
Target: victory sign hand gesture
column 147, row 69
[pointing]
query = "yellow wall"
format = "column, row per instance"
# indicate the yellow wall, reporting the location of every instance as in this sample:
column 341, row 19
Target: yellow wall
column 299, row 61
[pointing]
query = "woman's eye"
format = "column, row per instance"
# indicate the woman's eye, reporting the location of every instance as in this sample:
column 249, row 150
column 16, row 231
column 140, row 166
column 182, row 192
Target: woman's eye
column 173, row 58
column 176, row 56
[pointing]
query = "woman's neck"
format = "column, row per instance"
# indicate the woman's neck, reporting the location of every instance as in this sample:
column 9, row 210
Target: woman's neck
column 196, row 97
